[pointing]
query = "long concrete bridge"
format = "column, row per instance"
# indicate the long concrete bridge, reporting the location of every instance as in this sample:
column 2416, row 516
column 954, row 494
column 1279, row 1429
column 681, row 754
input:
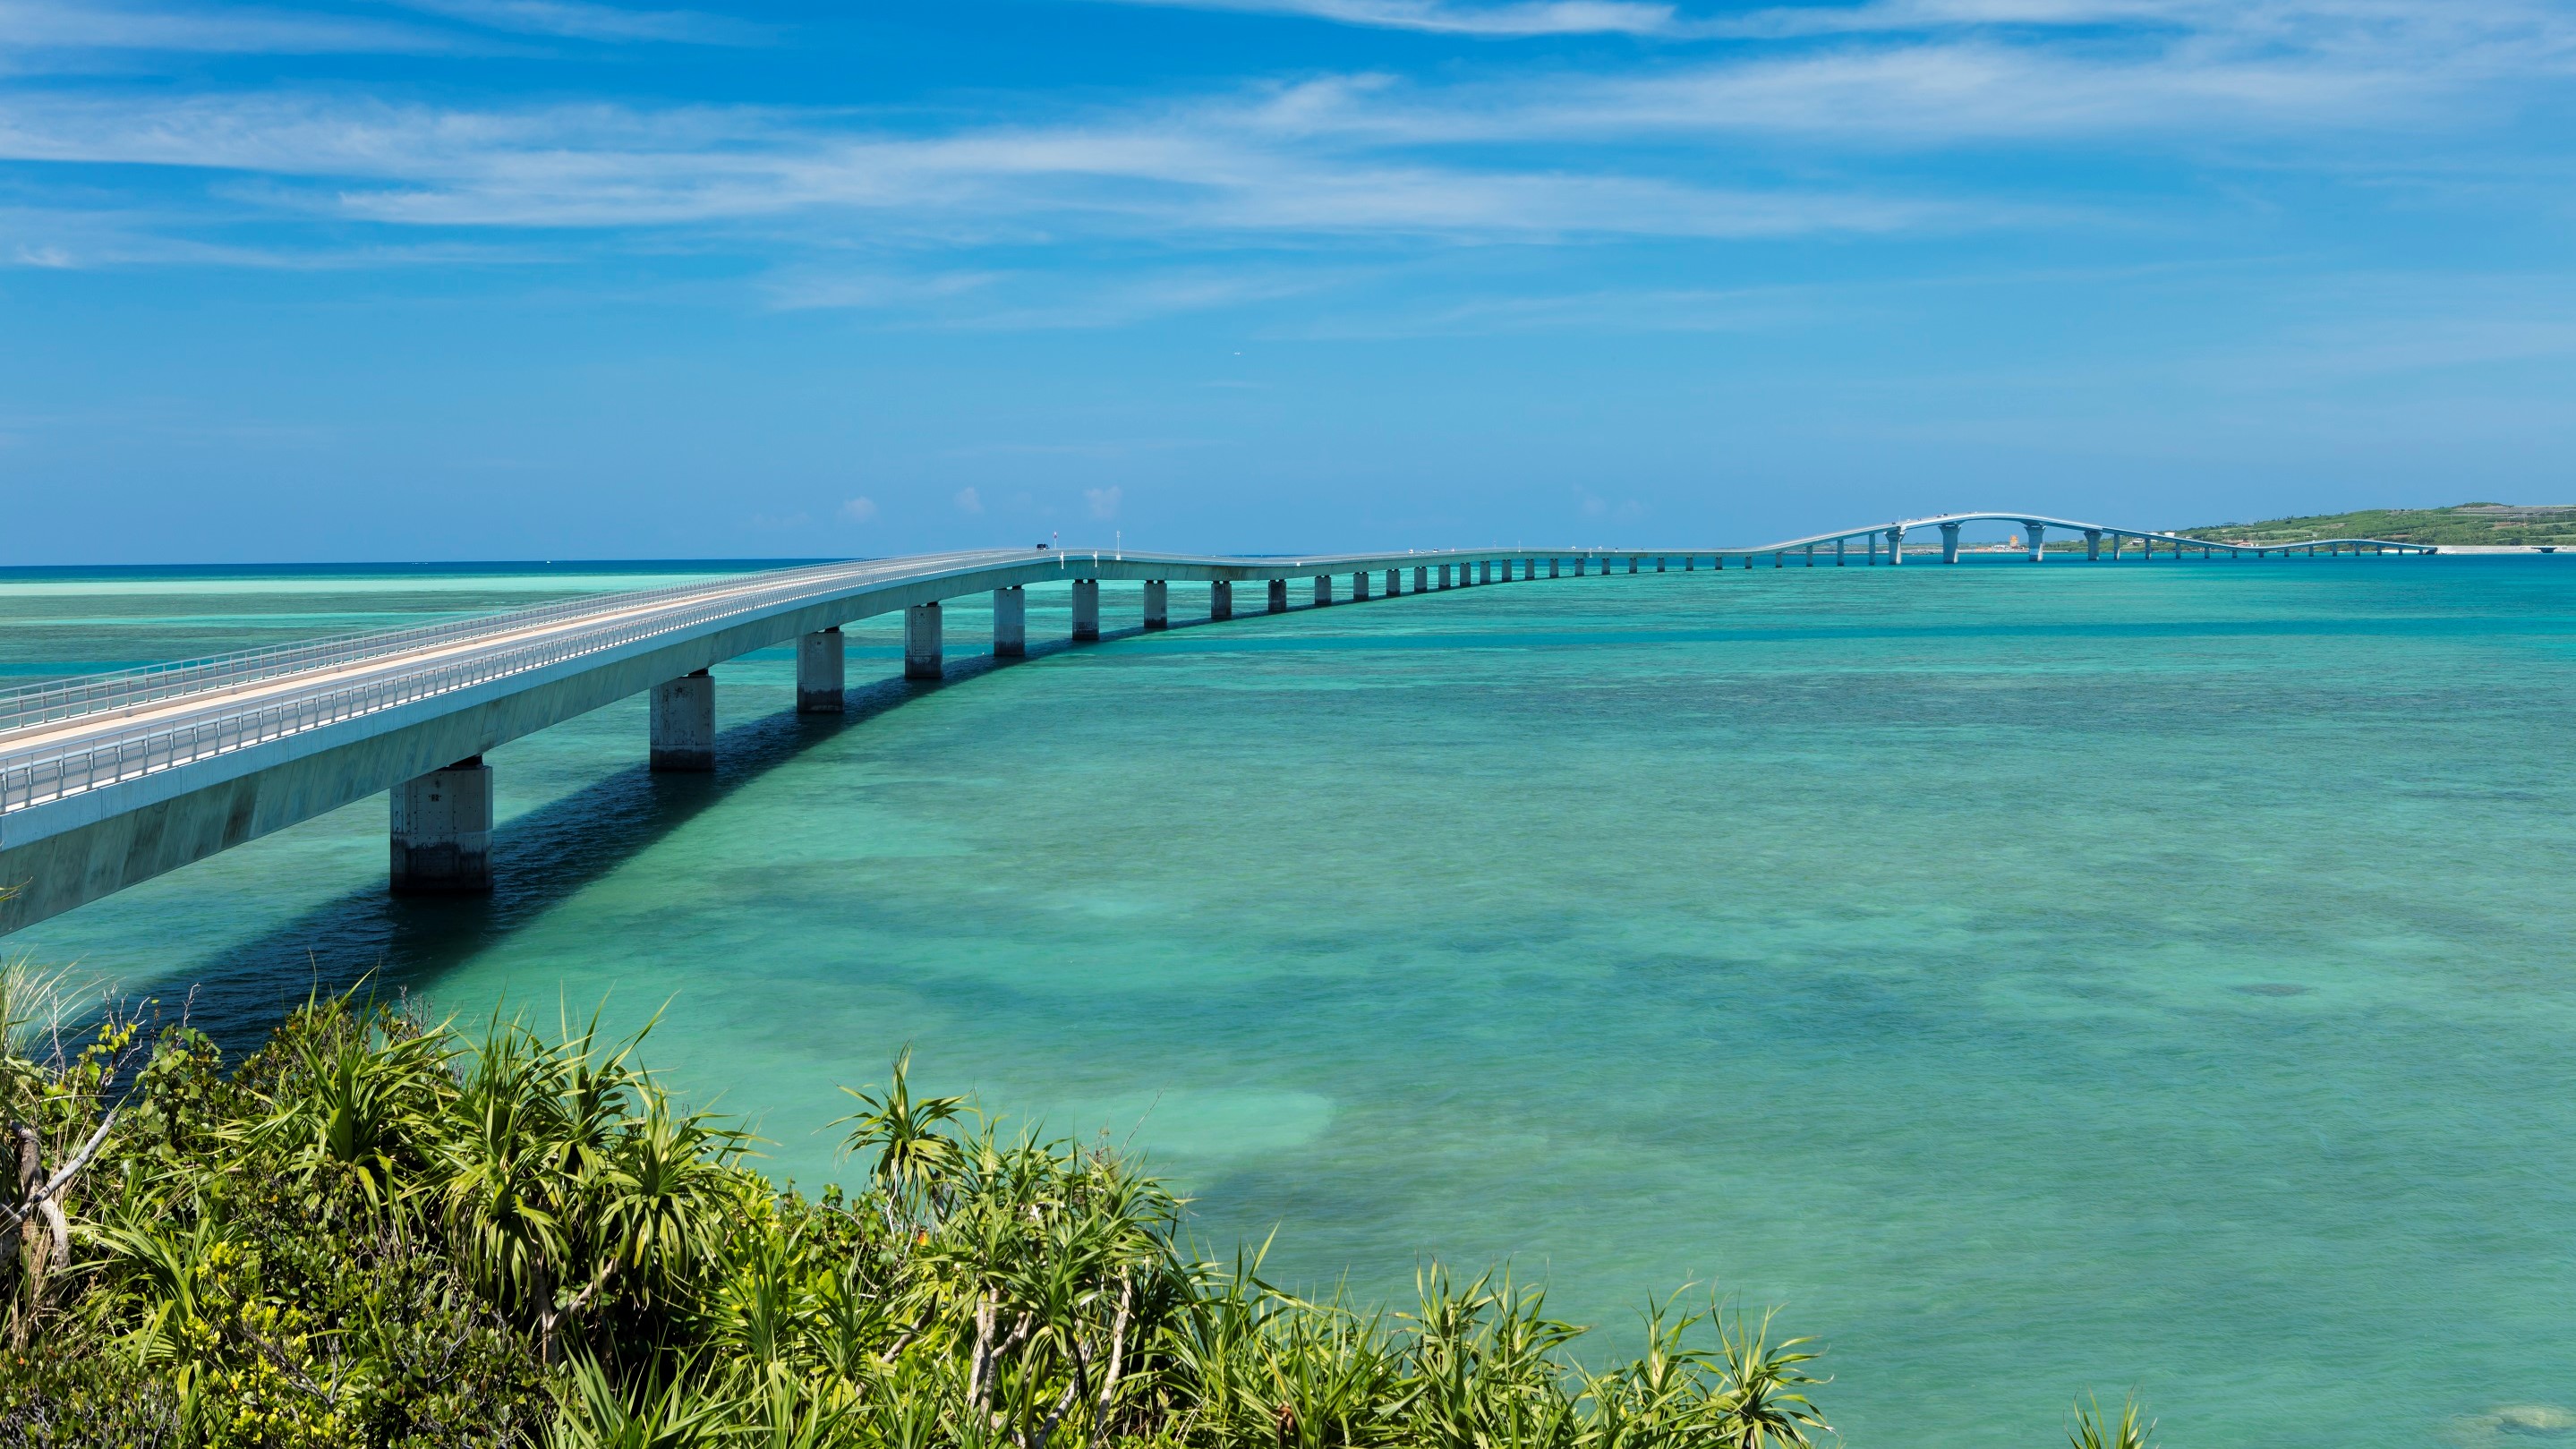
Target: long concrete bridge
column 107, row 780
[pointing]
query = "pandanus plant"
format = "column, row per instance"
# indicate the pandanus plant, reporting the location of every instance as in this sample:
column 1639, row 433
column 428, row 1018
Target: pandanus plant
column 360, row 1104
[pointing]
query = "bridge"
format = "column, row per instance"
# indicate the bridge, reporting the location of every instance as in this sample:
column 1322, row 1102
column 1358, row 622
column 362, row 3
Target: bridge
column 111, row 779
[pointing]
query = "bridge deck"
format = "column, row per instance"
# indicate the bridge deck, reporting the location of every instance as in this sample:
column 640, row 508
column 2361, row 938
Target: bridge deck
column 111, row 779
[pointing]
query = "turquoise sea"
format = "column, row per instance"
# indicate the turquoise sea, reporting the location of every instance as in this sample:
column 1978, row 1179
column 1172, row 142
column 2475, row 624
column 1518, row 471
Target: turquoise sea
column 2039, row 979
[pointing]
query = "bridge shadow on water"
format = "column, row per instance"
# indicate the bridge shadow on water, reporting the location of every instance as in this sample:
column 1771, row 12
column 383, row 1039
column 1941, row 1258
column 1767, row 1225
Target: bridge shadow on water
column 539, row 859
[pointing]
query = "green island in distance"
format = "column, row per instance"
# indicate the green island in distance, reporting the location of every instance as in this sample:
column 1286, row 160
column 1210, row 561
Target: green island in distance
column 2461, row 525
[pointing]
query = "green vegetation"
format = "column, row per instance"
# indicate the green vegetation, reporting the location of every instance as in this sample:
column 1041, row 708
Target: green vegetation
column 2488, row 524
column 379, row 1232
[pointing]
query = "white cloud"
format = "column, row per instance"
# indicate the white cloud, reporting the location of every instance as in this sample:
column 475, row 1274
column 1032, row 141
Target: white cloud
column 1514, row 18
column 49, row 25
column 583, row 20
column 859, row 510
column 1740, row 143
column 1103, row 501
column 968, row 501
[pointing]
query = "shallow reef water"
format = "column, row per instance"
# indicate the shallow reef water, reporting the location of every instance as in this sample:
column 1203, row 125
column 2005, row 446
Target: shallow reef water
column 2040, row 979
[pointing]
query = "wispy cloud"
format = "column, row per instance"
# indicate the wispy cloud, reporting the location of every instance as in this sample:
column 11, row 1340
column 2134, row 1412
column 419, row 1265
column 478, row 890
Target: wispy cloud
column 1809, row 124
column 30, row 29
column 1213, row 170
column 584, row 20
column 1514, row 18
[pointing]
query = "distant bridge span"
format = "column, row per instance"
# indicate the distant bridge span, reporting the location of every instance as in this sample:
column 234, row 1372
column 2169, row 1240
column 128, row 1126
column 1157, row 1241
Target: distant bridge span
column 108, row 780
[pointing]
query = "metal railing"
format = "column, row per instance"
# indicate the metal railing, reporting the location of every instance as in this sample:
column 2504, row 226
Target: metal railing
column 149, row 748
column 53, row 701
column 36, row 774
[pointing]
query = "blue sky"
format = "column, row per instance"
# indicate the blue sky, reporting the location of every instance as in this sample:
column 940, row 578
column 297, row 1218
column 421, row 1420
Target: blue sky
column 532, row 278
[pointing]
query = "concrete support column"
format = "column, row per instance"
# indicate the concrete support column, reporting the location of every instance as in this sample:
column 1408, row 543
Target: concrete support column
column 1484, row 571
column 1895, row 546
column 1010, row 624
column 1873, row 550
column 1949, row 543
column 2092, row 544
column 442, row 831
column 1632, row 564
column 1278, row 601
column 1158, row 604
column 1360, row 586
column 921, row 642
column 1838, row 551
column 1394, row 582
column 1323, row 590
column 1811, row 555
column 821, row 672
column 683, row 714
column 2037, row 531
column 1553, row 566
column 1220, row 601
column 1775, row 562
column 1444, row 576
column 1421, row 578
column 1659, row 565
column 1086, row 608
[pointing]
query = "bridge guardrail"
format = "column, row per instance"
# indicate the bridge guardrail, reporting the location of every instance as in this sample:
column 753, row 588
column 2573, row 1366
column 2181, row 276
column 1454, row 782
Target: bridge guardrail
column 36, row 776
column 151, row 748
column 52, row 701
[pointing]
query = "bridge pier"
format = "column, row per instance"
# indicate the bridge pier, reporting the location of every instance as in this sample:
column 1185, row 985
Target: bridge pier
column 1811, row 555
column 442, row 831
column 1220, row 601
column 1360, row 586
column 1010, row 623
column 2037, row 532
column 1895, row 546
column 1086, row 609
column 1323, row 590
column 2092, row 544
column 1158, row 604
column 1632, row 563
column 921, row 641
column 1949, row 543
column 1421, row 578
column 1395, row 583
column 1278, row 600
column 821, row 672
column 1838, row 551
column 683, row 724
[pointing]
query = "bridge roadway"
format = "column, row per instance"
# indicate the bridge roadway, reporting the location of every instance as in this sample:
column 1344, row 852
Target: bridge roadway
column 108, row 780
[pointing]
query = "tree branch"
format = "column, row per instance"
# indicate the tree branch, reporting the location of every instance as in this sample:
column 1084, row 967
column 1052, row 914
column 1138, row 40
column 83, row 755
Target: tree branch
column 44, row 1195
column 1117, row 1344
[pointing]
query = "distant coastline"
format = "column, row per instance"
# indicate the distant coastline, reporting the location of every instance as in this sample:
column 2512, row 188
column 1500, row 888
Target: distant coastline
column 2458, row 528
